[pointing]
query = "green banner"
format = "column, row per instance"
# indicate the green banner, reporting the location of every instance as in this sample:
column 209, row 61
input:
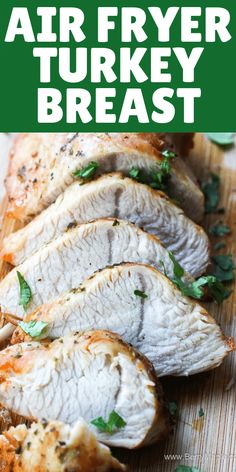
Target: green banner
column 118, row 66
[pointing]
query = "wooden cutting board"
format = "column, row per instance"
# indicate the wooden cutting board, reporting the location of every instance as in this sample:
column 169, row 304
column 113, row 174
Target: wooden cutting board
column 208, row 443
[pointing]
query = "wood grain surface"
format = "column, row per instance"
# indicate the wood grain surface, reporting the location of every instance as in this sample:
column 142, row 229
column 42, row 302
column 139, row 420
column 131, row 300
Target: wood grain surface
column 209, row 442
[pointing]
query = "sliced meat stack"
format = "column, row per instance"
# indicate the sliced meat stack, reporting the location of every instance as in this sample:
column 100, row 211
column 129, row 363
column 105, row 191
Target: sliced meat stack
column 88, row 375
column 54, row 447
column 96, row 260
column 175, row 333
column 42, row 166
column 115, row 196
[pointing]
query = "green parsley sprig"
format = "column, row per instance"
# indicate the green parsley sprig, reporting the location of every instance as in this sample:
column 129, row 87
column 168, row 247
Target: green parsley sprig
column 195, row 289
column 34, row 328
column 201, row 413
column 86, row 173
column 173, row 408
column 140, row 294
column 25, row 291
column 157, row 179
column 223, row 268
column 219, row 230
column 114, row 422
column 211, row 190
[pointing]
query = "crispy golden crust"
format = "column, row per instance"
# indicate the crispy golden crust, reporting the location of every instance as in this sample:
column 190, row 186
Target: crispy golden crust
column 54, row 447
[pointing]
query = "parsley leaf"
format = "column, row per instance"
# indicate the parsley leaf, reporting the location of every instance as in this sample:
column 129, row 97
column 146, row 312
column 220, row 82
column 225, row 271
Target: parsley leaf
column 186, row 288
column 25, row 291
column 217, row 290
column 160, row 178
column 141, row 294
column 224, row 139
column 223, row 267
column 219, row 230
column 34, row 328
column 172, row 407
column 114, row 422
column 211, row 190
column 201, row 413
column 134, row 173
column 87, row 172
column 196, row 289
column 157, row 179
column 163, row 267
column 168, row 154
column 186, row 468
column 219, row 246
column 138, row 174
column 115, row 223
column 100, row 424
column 177, row 269
column 225, row 261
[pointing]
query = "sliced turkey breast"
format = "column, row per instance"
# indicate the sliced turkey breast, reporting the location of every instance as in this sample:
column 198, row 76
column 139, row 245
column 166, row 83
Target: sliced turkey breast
column 66, row 262
column 30, row 163
column 115, row 196
column 54, row 447
column 176, row 334
column 86, row 375
column 43, row 165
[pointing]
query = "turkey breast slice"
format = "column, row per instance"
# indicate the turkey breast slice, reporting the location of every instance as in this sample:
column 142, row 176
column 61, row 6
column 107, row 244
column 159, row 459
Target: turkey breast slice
column 85, row 375
column 54, row 447
column 176, row 334
column 66, row 262
column 114, row 196
column 42, row 166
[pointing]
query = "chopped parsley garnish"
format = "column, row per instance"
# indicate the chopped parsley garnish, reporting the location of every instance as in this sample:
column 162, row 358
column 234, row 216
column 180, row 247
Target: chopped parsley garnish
column 186, row 468
column 224, row 139
column 157, row 179
column 25, row 291
column 219, row 230
column 223, row 268
column 163, row 267
column 168, row 154
column 34, row 328
column 87, row 172
column 134, row 173
column 211, row 190
column 172, row 407
column 114, row 422
column 138, row 174
column 195, row 289
column 217, row 290
column 201, row 413
column 115, row 223
column 160, row 178
column 140, row 294
column 219, row 246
